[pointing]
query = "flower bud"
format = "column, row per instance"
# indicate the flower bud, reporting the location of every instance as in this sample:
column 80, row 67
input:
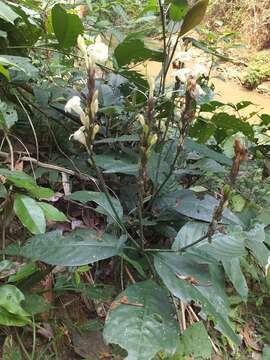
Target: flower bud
column 152, row 140
column 95, row 131
column 81, row 45
column 140, row 118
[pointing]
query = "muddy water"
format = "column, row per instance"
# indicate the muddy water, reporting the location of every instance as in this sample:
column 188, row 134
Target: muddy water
column 229, row 92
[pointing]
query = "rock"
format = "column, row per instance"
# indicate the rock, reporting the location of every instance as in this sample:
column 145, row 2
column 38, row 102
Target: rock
column 264, row 88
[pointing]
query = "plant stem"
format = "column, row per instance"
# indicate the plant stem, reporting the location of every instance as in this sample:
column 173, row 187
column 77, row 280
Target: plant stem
column 162, row 80
column 104, row 187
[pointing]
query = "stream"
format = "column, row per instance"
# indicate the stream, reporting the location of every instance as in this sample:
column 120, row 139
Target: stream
column 230, row 91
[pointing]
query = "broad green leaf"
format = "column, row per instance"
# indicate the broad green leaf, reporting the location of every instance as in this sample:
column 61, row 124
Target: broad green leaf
column 195, row 342
column 66, row 26
column 201, row 149
column 20, row 68
column 123, row 138
column 8, row 115
column 189, row 233
column 100, row 199
column 233, row 270
column 223, row 247
column 30, row 214
column 146, row 325
column 229, row 124
column 79, row 247
column 51, row 212
column 7, row 14
column 116, row 164
column 24, row 181
column 26, row 271
column 8, row 319
column 133, row 50
column 194, row 16
column 171, row 266
column 178, row 9
column 186, row 203
column 10, row 300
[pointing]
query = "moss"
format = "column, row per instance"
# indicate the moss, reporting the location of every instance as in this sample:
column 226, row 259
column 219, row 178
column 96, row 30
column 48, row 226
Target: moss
column 257, row 71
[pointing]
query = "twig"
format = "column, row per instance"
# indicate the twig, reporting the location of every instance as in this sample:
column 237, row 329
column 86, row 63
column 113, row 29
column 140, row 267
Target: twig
column 81, row 176
column 130, row 275
column 31, row 124
column 183, row 308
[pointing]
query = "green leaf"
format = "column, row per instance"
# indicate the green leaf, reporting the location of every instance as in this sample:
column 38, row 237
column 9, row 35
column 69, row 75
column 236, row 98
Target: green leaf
column 195, row 342
column 10, row 300
column 4, row 72
column 20, row 68
column 26, row 271
column 233, row 270
column 201, row 149
column 8, row 319
column 169, row 265
column 116, row 164
column 8, row 115
column 144, row 327
column 51, row 212
column 24, row 181
column 79, row 247
column 30, row 214
column 7, row 14
column 194, row 16
column 229, row 124
column 186, row 203
column 100, row 199
column 66, row 26
column 133, row 49
column 178, row 9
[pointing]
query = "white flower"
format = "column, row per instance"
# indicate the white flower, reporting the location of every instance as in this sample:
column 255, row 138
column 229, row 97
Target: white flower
column 199, row 70
column 79, row 136
column 98, row 52
column 197, row 92
column 184, row 56
column 182, row 74
column 74, row 104
column 267, row 266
